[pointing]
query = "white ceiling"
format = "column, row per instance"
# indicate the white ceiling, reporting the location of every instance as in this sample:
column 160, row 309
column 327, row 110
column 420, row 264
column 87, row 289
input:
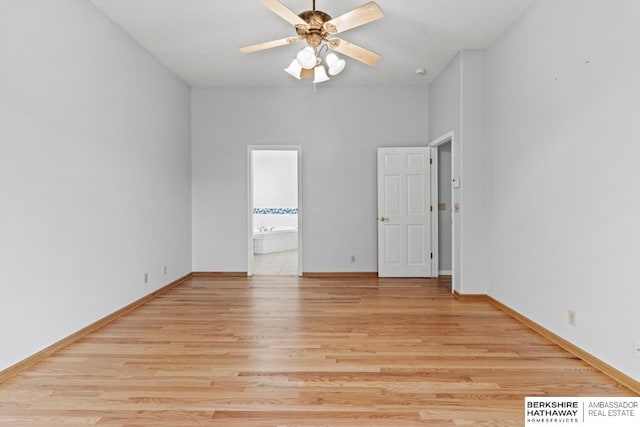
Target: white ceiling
column 199, row 39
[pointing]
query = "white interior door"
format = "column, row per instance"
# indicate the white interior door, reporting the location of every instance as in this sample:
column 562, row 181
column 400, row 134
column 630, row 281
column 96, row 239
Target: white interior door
column 404, row 212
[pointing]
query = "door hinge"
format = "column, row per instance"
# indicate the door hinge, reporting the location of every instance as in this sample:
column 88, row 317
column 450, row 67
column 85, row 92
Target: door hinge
column 430, row 161
column 430, row 208
column 431, row 255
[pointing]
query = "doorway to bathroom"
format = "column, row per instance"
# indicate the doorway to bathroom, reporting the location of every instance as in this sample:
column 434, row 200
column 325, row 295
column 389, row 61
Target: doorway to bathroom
column 274, row 239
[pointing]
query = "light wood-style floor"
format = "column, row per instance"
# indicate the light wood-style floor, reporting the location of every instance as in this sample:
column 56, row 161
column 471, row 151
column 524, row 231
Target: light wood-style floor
column 307, row 352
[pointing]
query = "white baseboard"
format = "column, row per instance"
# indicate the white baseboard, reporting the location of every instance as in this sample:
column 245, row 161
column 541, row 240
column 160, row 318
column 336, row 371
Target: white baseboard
column 444, row 273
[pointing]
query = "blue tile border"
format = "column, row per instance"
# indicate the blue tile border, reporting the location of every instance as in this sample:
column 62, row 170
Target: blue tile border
column 275, row 211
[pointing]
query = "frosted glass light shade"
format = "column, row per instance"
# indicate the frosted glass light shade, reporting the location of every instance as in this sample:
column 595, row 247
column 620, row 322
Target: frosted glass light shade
column 319, row 74
column 336, row 65
column 307, row 57
column 294, row 69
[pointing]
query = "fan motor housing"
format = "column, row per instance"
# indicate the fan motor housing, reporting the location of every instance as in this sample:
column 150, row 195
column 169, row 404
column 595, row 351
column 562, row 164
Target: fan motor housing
column 315, row 18
column 315, row 34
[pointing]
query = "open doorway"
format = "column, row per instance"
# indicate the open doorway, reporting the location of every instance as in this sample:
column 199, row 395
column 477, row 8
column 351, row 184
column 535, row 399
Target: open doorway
column 445, row 228
column 274, row 218
column 445, row 220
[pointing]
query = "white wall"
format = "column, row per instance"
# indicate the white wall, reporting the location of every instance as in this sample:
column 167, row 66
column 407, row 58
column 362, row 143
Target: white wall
column 563, row 128
column 338, row 128
column 457, row 104
column 94, row 172
column 275, row 176
column 444, row 100
column 275, row 185
column 472, row 155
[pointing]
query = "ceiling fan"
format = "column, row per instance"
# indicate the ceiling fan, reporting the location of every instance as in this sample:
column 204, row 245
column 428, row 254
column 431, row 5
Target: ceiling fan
column 317, row 28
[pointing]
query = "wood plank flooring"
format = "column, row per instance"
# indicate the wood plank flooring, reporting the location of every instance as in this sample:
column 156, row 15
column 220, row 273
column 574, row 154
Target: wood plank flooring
column 284, row 351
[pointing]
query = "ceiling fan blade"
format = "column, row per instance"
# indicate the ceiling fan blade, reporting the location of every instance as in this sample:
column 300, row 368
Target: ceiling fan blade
column 285, row 13
column 354, row 51
column 268, row 45
column 364, row 14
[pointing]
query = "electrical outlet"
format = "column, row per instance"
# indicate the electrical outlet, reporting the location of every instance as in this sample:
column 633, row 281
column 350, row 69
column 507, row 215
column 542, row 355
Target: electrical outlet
column 164, row 269
column 636, row 348
column 572, row 318
column 146, row 277
column 353, row 259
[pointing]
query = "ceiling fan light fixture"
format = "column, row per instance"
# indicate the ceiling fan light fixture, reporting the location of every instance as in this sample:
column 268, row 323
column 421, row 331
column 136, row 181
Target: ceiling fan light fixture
column 316, row 28
column 294, row 69
column 307, row 57
column 320, row 74
column 336, row 65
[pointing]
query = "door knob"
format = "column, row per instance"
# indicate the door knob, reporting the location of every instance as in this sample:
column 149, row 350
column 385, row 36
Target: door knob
column 383, row 219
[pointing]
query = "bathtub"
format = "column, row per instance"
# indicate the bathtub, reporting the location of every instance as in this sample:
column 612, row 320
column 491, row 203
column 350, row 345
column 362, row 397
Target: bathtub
column 277, row 239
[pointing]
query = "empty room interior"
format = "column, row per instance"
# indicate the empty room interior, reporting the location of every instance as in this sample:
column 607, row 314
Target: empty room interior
column 199, row 226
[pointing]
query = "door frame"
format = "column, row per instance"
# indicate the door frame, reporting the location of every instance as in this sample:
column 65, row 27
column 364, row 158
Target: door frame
column 250, row 150
column 447, row 137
